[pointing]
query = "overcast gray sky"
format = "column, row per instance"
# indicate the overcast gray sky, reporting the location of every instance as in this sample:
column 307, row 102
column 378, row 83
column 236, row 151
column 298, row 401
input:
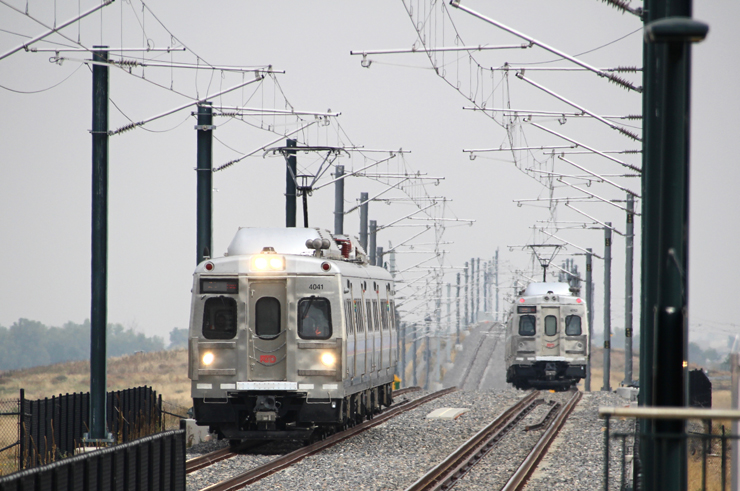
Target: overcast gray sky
column 398, row 102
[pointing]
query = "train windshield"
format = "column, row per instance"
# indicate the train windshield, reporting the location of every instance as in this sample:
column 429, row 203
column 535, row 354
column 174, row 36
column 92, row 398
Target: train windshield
column 573, row 325
column 267, row 317
column 219, row 318
column 314, row 318
column 551, row 325
column 526, row 325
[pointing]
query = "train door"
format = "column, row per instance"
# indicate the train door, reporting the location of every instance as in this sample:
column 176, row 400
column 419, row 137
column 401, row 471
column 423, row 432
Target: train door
column 551, row 331
column 268, row 317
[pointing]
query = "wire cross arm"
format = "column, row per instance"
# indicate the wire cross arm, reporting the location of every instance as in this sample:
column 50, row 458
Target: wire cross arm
column 379, row 194
column 355, row 173
column 260, row 149
column 624, row 131
column 613, row 203
column 613, row 159
column 51, row 30
column 609, row 76
column 570, row 243
column 599, row 177
column 381, row 227
column 180, row 108
column 414, row 49
column 605, row 225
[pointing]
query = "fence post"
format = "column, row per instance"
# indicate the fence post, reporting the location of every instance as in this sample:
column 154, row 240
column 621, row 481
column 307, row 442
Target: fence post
column 21, row 428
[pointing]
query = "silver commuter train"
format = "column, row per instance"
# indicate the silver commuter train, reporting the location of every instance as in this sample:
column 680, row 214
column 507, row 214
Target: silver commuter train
column 290, row 332
column 547, row 343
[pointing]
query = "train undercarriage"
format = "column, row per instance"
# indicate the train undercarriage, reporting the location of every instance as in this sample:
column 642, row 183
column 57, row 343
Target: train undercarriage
column 287, row 415
column 556, row 375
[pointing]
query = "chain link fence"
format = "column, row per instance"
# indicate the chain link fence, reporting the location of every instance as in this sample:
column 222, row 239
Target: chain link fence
column 9, row 436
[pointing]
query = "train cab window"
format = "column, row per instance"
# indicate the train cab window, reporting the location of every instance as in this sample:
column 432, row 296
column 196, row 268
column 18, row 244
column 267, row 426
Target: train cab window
column 267, row 317
column 526, row 325
column 314, row 318
column 573, row 325
column 219, row 318
column 551, row 325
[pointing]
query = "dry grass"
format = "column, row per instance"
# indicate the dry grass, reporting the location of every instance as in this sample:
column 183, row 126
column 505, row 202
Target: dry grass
column 165, row 371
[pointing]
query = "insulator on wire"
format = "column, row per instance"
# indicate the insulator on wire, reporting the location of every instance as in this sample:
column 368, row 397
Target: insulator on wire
column 629, row 69
column 628, row 133
column 126, row 63
column 623, row 82
column 123, row 129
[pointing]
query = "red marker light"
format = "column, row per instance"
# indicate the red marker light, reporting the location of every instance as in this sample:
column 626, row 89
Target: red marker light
column 521, row 300
column 209, row 266
column 325, row 266
column 578, row 300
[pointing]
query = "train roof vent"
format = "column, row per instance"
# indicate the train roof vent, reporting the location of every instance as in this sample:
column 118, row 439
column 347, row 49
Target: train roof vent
column 534, row 289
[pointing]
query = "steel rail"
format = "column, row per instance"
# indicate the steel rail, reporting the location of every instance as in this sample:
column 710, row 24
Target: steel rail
column 262, row 471
column 522, row 474
column 198, row 463
column 446, row 473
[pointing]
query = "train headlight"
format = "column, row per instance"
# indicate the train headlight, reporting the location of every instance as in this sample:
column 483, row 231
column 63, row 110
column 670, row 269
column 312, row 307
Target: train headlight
column 277, row 263
column 208, row 358
column 328, row 359
column 268, row 263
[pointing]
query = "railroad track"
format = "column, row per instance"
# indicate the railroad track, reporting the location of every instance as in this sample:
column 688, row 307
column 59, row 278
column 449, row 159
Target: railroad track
column 198, row 463
column 469, row 368
column 206, row 460
column 445, row 474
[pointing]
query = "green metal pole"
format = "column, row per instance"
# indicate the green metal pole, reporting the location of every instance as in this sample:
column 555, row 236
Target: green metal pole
column 204, row 233
column 590, row 307
column 654, row 9
column 669, row 168
column 629, row 253
column 99, row 263
column 290, row 186
column 607, row 306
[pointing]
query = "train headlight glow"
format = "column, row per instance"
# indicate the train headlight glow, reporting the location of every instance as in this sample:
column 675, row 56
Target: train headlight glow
column 268, row 263
column 328, row 359
column 208, row 358
column 260, row 263
column 277, row 263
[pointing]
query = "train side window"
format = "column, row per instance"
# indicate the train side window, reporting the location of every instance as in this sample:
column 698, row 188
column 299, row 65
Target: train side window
column 219, row 318
column 392, row 315
column 378, row 321
column 526, row 325
column 369, row 313
column 314, row 318
column 348, row 316
column 551, row 325
column 358, row 316
column 573, row 325
column 384, row 316
column 267, row 317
